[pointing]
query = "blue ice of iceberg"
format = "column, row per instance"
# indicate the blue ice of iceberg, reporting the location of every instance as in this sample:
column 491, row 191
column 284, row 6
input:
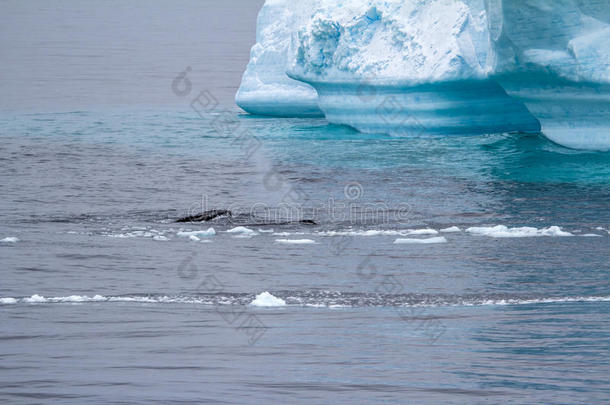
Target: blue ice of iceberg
column 265, row 88
column 437, row 66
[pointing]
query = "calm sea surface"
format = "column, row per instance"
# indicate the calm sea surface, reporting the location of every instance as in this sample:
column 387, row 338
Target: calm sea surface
column 104, row 298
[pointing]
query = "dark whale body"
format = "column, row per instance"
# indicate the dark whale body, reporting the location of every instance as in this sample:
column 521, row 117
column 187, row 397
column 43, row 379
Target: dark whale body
column 205, row 216
column 241, row 219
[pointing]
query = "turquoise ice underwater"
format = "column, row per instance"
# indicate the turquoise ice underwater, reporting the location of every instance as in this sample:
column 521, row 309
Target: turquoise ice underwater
column 112, row 301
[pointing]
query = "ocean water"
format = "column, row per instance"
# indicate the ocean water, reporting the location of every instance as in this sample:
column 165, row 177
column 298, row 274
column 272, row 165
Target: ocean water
column 105, row 298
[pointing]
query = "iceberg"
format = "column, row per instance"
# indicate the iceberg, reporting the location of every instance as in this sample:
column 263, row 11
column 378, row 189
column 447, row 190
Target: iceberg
column 437, row 66
column 265, row 88
column 265, row 299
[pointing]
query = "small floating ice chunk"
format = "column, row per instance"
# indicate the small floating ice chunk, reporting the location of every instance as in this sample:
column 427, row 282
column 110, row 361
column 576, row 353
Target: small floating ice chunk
column 160, row 237
column 266, row 230
column 71, row 298
column 265, row 299
column 502, row 231
column 197, row 239
column 592, row 235
column 370, row 232
column 451, row 229
column 199, row 234
column 78, row 298
column 288, row 233
column 10, row 239
column 282, row 234
column 425, row 231
column 7, row 300
column 380, row 232
column 296, row 241
column 437, row 239
column 242, row 231
column 120, row 236
column 34, row 299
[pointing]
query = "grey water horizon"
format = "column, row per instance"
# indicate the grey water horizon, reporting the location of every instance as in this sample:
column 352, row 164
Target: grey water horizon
column 105, row 298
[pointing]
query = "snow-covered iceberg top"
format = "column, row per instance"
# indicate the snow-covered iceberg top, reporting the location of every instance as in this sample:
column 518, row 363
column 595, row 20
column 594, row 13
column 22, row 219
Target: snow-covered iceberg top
column 445, row 66
column 417, row 41
column 408, row 42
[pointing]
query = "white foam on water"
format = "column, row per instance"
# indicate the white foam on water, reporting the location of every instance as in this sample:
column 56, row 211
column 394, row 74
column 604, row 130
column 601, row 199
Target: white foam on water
column 137, row 232
column 7, row 301
column 265, row 299
column 438, row 239
column 10, row 239
column 35, row 299
column 517, row 301
column 502, row 231
column 199, row 234
column 296, row 241
column 451, row 229
column 39, row 299
column 145, row 300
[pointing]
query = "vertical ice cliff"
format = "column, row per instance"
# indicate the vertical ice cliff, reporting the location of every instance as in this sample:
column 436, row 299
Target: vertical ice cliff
column 554, row 56
column 265, row 88
column 437, row 66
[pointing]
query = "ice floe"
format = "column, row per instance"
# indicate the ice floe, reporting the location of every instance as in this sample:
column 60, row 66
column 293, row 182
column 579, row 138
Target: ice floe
column 296, row 241
column 437, row 239
column 198, row 234
column 502, row 231
column 242, row 232
column 380, row 232
column 265, row 299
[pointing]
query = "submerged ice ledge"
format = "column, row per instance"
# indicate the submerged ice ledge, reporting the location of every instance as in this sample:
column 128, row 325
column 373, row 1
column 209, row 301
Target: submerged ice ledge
column 457, row 107
column 437, row 66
